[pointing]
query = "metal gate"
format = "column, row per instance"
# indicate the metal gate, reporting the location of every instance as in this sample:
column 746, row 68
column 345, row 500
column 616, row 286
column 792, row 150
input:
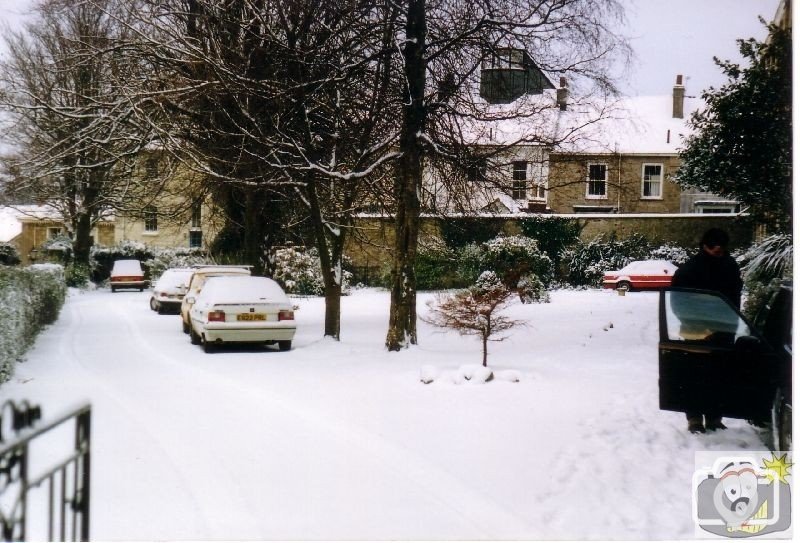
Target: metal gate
column 44, row 474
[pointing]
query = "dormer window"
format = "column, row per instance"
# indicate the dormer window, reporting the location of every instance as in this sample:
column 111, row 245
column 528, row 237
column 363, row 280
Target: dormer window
column 508, row 73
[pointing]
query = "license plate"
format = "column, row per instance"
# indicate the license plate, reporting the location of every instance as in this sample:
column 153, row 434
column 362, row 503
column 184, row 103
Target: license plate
column 251, row 317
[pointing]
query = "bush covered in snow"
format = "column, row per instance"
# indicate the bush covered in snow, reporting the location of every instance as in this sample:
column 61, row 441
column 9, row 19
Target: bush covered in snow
column 298, row 271
column 587, row 261
column 764, row 265
column 30, row 298
column 673, row 253
column 181, row 257
column 435, row 266
column 9, row 255
column 516, row 260
column 77, row 275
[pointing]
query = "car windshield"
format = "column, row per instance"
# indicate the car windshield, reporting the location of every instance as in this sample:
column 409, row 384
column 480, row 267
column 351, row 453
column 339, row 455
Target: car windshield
column 700, row 316
column 127, row 267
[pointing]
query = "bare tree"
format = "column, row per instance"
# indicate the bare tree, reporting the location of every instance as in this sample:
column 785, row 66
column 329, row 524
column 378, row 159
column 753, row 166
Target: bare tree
column 444, row 44
column 475, row 311
column 76, row 136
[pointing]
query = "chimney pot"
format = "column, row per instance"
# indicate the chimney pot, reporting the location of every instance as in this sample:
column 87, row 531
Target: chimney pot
column 678, row 94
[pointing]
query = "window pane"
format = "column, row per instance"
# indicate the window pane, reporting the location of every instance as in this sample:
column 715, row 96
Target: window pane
column 694, row 316
column 195, row 238
column 597, row 172
column 150, row 219
column 520, row 170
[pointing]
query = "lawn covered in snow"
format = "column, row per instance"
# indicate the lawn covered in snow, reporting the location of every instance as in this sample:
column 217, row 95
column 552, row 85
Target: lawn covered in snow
column 341, row 440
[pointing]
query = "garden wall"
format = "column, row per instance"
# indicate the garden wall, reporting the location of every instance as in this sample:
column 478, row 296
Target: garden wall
column 370, row 247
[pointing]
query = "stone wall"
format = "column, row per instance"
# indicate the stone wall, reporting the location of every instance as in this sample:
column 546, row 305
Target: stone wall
column 369, row 249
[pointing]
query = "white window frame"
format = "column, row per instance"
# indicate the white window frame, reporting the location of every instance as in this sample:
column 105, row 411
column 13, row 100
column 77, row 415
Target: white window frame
column 150, row 220
column 660, row 195
column 516, row 189
column 589, row 181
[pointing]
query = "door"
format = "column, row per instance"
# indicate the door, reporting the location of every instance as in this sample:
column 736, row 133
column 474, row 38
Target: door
column 710, row 358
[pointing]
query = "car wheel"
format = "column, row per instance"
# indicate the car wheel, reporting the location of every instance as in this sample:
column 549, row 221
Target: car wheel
column 193, row 337
column 624, row 285
column 781, row 427
column 285, row 345
column 208, row 346
column 153, row 304
column 113, row 289
column 185, row 326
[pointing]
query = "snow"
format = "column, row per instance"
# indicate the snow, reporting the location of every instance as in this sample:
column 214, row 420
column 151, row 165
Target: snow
column 341, row 440
column 127, row 267
column 241, row 290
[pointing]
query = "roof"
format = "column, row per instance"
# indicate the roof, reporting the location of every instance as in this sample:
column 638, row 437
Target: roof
column 11, row 218
column 629, row 125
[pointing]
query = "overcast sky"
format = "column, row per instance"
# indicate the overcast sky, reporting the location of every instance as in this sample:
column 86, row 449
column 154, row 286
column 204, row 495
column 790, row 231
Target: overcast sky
column 669, row 37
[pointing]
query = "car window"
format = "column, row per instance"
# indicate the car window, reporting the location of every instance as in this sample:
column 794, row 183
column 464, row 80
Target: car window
column 703, row 318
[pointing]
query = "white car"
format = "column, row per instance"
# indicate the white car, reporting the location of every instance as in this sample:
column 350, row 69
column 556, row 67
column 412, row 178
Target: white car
column 199, row 277
column 641, row 275
column 170, row 289
column 242, row 309
column 127, row 274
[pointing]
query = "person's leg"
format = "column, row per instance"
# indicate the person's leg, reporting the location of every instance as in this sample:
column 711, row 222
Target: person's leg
column 695, row 421
column 714, row 422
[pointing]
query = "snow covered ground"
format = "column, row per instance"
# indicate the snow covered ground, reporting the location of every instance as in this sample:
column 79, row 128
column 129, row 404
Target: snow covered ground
column 342, row 440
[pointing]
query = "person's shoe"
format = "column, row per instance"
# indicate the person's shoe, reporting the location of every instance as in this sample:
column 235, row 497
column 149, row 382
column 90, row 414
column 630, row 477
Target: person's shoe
column 696, row 427
column 714, row 425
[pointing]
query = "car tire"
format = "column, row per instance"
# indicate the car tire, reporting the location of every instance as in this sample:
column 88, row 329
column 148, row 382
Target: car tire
column 185, row 326
column 781, row 424
column 193, row 337
column 208, row 346
column 113, row 289
column 153, row 304
column 624, row 285
column 285, row 345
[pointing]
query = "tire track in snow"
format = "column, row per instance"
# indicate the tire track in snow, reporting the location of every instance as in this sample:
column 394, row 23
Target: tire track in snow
column 478, row 514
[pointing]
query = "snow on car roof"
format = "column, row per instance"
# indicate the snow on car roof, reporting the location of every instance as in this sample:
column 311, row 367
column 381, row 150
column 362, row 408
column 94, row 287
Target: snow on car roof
column 237, row 289
column 648, row 265
column 127, row 266
column 174, row 277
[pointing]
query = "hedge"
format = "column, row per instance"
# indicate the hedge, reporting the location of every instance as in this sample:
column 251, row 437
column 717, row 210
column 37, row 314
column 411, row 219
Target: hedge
column 30, row 298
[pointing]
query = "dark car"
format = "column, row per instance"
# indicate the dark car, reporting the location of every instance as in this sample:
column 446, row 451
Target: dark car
column 711, row 359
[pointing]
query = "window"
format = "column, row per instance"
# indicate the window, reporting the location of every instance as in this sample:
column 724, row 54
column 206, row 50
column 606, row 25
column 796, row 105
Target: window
column 195, row 238
column 53, row 232
column 519, row 187
column 652, row 177
column 539, row 191
column 151, row 167
column 476, row 170
column 150, row 219
column 596, row 183
column 505, row 58
column 196, row 214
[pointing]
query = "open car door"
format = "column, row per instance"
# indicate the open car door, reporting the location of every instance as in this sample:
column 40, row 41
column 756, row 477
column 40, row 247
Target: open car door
column 710, row 360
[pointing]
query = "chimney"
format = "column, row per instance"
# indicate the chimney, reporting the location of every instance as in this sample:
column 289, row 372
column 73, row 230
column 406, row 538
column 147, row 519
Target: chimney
column 562, row 93
column 678, row 92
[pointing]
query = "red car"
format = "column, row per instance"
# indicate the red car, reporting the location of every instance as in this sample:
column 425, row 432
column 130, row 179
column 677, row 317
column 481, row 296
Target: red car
column 641, row 274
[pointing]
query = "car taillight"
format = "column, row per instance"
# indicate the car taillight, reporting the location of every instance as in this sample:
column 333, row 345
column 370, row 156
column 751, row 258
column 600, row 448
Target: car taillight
column 216, row 316
column 286, row 315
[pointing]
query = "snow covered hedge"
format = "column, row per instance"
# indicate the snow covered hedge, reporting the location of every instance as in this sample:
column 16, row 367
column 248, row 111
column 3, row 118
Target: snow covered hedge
column 30, row 298
column 298, row 271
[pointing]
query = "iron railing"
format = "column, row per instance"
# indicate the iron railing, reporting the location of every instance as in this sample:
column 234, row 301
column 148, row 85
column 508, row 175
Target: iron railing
column 53, row 503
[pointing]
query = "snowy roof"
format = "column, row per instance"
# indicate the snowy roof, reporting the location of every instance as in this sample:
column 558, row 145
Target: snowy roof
column 629, row 125
column 242, row 290
column 632, row 125
column 11, row 218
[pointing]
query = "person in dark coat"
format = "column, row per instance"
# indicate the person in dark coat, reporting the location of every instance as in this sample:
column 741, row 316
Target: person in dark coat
column 712, row 268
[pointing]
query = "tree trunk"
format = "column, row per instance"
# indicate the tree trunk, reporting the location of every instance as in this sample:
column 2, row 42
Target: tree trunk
column 253, row 239
column 485, row 339
column 408, row 180
column 82, row 242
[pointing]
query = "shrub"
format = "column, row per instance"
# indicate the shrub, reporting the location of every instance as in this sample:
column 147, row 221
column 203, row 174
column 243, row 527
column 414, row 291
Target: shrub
column 435, row 267
column 553, row 234
column 532, row 290
column 512, row 257
column 30, row 298
column 9, row 254
column 77, row 275
column 764, row 266
column 673, row 253
column 460, row 231
column 587, row 261
column 298, row 271
column 57, row 249
column 102, row 258
column 181, row 257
